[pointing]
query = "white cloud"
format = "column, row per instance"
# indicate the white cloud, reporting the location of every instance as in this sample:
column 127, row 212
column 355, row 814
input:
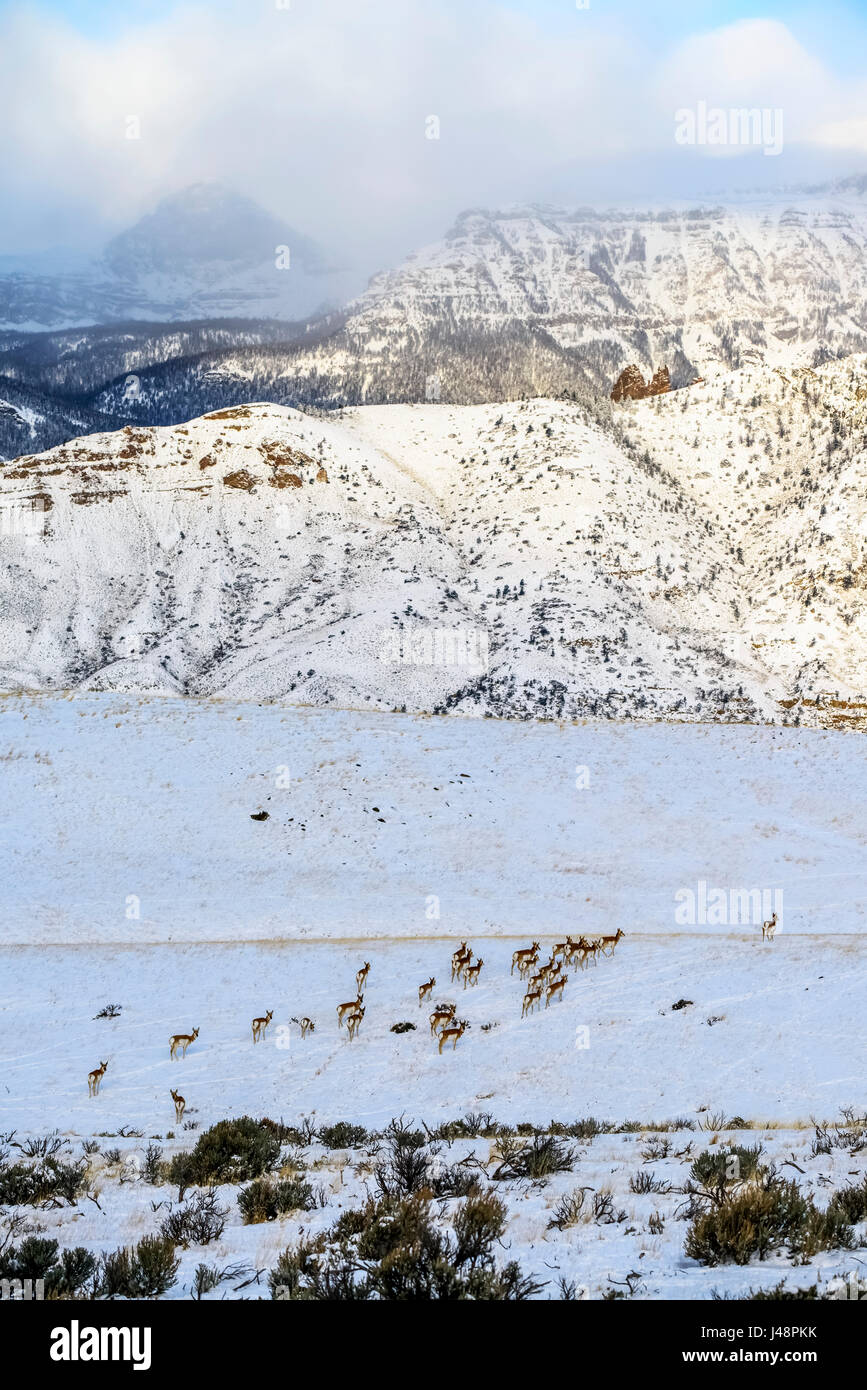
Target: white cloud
column 755, row 63
column 318, row 111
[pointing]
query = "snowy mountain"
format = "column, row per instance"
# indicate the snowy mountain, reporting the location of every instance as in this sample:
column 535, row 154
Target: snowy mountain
column 781, row 282
column 31, row 420
column 204, row 253
column 539, row 301
column 693, row 556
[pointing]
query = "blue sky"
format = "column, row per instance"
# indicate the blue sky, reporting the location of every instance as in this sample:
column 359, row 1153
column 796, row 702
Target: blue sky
column 838, row 27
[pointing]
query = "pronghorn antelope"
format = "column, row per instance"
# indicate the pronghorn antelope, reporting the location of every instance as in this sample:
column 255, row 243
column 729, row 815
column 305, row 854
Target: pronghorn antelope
column 532, row 998
column 180, row 1106
column 536, row 981
column 525, row 958
column 182, row 1041
column 94, row 1077
column 769, row 928
column 586, row 951
column 442, row 1014
column 306, row 1025
column 562, row 948
column 471, row 973
column 349, row 1007
column 260, row 1025
column 424, row 990
column 608, row 943
column 353, row 1022
column 461, row 958
column 452, row 1034
column 362, row 976
column 555, row 987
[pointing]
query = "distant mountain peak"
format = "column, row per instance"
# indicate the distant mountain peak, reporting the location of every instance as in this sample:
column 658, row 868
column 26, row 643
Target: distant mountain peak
column 201, row 224
column 204, row 253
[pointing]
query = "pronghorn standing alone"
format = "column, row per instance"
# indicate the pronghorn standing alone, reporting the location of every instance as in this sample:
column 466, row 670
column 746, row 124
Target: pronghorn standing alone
column 180, row 1106
column 182, row 1041
column 361, row 977
column 260, row 1026
column 307, row 1026
column 471, row 973
column 452, row 1034
column 424, row 990
column 769, row 928
column 94, row 1077
column 531, row 999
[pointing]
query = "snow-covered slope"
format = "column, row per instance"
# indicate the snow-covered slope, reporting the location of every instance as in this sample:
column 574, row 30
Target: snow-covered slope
column 261, row 553
column 128, row 821
column 776, row 460
column 774, row 281
column 685, row 559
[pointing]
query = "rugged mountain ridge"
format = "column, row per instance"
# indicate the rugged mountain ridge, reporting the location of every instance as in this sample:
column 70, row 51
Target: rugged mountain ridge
column 530, row 302
column 539, row 301
column 696, row 555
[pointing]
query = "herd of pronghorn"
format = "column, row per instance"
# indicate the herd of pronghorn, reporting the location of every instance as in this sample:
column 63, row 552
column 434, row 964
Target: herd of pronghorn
column 549, row 980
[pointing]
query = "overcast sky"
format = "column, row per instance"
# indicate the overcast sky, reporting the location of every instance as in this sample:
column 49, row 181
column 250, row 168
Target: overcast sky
column 319, row 109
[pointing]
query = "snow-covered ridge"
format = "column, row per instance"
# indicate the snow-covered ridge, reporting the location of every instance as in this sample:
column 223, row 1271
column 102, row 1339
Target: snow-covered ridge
column 696, row 557
column 776, row 281
column 542, row 301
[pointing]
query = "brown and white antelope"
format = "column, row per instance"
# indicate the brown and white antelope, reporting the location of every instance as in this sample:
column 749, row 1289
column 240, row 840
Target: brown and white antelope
column 343, row 1010
column 180, row 1106
column 532, row 998
column 472, row 972
column 587, row 952
column 460, row 959
column 555, row 987
column 94, row 1077
column 306, row 1025
column 769, row 928
column 182, row 1041
column 608, row 943
column 452, row 1033
column 525, row 958
column 260, row 1026
column 424, row 990
column 353, row 1022
column 442, row 1014
column 361, row 976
